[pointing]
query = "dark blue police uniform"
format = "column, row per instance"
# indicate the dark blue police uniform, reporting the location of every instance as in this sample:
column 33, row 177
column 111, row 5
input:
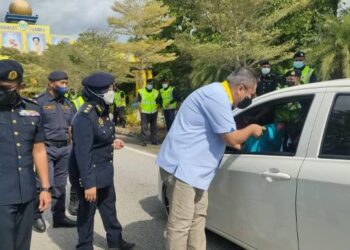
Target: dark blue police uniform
column 91, row 165
column 20, row 129
column 57, row 115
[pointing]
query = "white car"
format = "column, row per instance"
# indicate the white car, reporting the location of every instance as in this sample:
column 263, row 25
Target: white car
column 289, row 190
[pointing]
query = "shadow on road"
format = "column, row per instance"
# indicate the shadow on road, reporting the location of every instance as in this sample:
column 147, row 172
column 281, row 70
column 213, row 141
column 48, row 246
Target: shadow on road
column 148, row 234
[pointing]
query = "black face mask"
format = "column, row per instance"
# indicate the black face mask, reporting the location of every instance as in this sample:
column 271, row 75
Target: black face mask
column 8, row 97
column 244, row 103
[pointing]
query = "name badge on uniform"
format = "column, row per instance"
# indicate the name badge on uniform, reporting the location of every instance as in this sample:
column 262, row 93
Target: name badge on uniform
column 100, row 122
column 29, row 113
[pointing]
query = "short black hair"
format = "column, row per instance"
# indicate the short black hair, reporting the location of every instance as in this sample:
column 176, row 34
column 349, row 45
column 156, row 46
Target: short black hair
column 36, row 37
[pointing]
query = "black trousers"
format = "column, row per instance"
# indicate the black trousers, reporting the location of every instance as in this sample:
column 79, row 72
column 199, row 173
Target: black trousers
column 16, row 226
column 119, row 116
column 169, row 116
column 152, row 120
column 58, row 173
column 105, row 204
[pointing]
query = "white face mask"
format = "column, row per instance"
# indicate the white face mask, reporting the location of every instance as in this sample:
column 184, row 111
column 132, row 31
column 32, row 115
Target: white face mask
column 149, row 86
column 108, row 97
column 165, row 85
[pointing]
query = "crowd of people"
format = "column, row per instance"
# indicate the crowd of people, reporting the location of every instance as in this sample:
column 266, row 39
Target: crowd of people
column 77, row 138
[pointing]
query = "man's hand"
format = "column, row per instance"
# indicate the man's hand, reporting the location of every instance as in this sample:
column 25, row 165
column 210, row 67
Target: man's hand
column 257, row 130
column 90, row 194
column 44, row 200
column 118, row 144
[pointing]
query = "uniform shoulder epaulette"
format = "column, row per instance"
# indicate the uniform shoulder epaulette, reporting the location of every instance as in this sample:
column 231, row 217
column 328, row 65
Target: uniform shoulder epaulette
column 87, row 108
column 30, row 100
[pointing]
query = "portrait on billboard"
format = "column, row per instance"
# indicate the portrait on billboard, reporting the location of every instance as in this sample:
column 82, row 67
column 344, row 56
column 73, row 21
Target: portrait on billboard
column 59, row 39
column 36, row 43
column 12, row 40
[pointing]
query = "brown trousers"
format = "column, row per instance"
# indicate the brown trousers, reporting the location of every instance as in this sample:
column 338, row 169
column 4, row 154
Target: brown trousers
column 187, row 215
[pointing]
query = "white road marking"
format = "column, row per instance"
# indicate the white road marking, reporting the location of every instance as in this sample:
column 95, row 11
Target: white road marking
column 140, row 152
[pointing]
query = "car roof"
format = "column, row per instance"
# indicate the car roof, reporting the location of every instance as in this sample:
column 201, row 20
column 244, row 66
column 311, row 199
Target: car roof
column 318, row 85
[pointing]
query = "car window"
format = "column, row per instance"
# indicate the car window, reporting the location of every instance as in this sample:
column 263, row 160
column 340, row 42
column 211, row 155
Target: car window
column 283, row 119
column 336, row 139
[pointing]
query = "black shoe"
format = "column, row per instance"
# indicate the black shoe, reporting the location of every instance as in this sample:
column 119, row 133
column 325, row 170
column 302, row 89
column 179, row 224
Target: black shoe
column 123, row 245
column 154, row 143
column 64, row 222
column 143, row 144
column 39, row 225
column 73, row 206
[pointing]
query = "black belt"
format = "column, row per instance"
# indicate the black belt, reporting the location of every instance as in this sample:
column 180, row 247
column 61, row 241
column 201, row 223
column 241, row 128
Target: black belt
column 58, row 144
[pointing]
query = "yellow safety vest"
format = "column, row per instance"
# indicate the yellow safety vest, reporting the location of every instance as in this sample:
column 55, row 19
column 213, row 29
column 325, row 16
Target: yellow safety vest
column 119, row 101
column 167, row 98
column 78, row 102
column 306, row 75
column 148, row 101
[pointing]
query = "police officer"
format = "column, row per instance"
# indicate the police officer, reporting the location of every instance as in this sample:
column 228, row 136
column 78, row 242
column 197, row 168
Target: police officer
column 119, row 107
column 267, row 81
column 91, row 163
column 57, row 115
column 308, row 74
column 148, row 99
column 168, row 101
column 21, row 145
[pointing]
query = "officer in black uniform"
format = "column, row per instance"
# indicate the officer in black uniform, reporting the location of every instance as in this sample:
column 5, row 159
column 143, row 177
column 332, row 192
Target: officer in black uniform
column 57, row 115
column 267, row 81
column 91, row 163
column 21, row 145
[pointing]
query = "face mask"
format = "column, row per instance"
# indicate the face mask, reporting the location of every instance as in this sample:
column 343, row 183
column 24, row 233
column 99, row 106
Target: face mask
column 165, row 85
column 8, row 97
column 61, row 91
column 265, row 71
column 298, row 64
column 108, row 97
column 244, row 103
column 149, row 86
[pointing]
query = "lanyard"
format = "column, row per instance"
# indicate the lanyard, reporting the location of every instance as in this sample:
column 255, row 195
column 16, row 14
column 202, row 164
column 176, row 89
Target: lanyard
column 224, row 84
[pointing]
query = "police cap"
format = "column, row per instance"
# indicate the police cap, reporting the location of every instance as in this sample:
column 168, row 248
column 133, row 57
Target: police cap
column 98, row 80
column 264, row 62
column 11, row 70
column 57, row 76
column 299, row 54
column 293, row 73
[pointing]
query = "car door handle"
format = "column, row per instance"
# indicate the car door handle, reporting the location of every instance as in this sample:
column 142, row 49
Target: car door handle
column 274, row 175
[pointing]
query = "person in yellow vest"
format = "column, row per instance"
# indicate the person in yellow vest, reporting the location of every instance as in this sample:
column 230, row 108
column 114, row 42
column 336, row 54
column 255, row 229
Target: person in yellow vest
column 148, row 99
column 168, row 99
column 308, row 74
column 119, row 107
column 77, row 103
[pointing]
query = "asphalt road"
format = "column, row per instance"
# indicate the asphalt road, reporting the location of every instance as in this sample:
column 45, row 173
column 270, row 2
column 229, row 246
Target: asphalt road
column 139, row 211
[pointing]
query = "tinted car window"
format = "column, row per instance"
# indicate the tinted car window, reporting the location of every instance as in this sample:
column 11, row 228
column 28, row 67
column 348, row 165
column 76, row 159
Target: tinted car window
column 284, row 121
column 336, row 139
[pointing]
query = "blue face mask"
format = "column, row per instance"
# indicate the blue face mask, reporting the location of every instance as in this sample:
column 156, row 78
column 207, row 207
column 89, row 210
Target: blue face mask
column 298, row 64
column 61, row 91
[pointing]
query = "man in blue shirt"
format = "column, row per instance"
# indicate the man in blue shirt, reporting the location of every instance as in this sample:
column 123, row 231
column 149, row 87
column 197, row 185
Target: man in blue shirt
column 193, row 148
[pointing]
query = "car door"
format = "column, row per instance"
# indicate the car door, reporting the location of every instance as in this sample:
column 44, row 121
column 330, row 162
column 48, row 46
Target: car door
column 252, row 198
column 323, row 199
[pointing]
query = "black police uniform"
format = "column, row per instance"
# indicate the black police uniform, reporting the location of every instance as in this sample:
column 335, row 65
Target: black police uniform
column 57, row 116
column 267, row 83
column 91, row 165
column 20, row 129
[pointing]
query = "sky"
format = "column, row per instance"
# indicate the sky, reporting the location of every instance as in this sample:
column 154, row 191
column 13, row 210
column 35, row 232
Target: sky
column 68, row 18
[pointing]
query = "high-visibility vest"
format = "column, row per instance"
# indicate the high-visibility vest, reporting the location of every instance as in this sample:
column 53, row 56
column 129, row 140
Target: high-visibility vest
column 306, row 75
column 119, row 101
column 78, row 102
column 167, row 98
column 148, row 100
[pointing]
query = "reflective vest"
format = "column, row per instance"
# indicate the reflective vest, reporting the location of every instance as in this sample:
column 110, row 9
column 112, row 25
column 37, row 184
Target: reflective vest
column 78, row 102
column 148, row 101
column 167, row 97
column 306, row 75
column 119, row 101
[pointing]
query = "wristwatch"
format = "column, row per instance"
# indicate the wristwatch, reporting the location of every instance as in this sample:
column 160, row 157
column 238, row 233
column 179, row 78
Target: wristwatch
column 46, row 189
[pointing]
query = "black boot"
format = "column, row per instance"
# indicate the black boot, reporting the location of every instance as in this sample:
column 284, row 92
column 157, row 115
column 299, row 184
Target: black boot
column 63, row 222
column 123, row 245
